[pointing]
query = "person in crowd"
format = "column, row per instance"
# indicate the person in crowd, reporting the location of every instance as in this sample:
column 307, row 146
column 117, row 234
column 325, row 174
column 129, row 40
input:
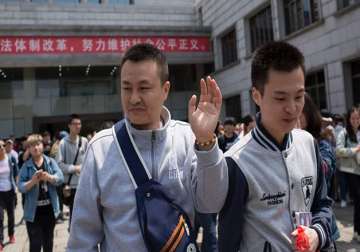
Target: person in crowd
column 341, row 178
column 348, row 146
column 338, row 124
column 311, row 121
column 53, row 152
column 24, row 153
column 249, row 124
column 8, row 176
column 47, row 142
column 38, row 179
column 55, row 146
column 230, row 137
column 239, row 128
column 9, row 147
column 70, row 157
column 219, row 129
column 184, row 158
column 276, row 183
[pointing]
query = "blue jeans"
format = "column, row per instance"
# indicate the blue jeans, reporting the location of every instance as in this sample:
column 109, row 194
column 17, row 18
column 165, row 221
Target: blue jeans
column 208, row 222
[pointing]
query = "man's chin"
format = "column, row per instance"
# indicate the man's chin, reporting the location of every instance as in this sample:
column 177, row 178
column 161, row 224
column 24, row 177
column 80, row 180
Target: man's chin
column 138, row 124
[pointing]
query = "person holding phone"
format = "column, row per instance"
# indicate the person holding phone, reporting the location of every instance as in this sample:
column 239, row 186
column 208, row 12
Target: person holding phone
column 38, row 179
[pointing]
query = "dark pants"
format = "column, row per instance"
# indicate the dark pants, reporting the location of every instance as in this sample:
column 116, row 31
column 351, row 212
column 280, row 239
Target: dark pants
column 208, row 222
column 71, row 205
column 343, row 181
column 354, row 182
column 41, row 232
column 60, row 194
column 7, row 202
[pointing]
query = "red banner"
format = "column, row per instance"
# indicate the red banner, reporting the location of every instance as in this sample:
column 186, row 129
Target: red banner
column 97, row 44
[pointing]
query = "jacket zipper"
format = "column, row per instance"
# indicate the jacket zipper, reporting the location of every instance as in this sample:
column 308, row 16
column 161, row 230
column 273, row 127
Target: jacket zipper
column 153, row 137
column 289, row 191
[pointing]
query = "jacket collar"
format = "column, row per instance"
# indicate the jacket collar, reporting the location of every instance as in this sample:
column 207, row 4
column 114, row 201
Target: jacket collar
column 144, row 136
column 266, row 140
column 30, row 162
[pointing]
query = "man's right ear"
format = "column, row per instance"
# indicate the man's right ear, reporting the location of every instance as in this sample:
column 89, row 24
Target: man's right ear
column 256, row 95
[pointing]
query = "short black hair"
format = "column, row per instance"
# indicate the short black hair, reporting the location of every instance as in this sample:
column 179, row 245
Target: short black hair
column 142, row 52
column 279, row 56
column 72, row 117
column 247, row 119
column 230, row 121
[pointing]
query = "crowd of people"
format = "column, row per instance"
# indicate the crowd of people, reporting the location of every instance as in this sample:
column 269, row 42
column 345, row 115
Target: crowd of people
column 250, row 184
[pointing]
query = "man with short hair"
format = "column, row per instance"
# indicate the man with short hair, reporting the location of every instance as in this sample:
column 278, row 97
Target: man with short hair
column 191, row 174
column 275, row 176
column 70, row 157
column 230, row 137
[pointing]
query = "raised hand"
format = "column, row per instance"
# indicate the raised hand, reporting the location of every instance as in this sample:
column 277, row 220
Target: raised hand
column 203, row 118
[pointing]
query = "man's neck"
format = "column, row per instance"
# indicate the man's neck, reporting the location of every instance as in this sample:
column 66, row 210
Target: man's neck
column 38, row 160
column 279, row 137
column 2, row 157
column 73, row 137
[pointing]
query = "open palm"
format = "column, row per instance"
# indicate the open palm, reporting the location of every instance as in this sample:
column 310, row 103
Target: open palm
column 203, row 118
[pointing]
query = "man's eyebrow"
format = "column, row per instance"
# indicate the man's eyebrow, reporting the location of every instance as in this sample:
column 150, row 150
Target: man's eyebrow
column 280, row 93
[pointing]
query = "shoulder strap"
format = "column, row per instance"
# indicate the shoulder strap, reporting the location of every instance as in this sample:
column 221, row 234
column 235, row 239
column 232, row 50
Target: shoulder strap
column 130, row 154
column 76, row 157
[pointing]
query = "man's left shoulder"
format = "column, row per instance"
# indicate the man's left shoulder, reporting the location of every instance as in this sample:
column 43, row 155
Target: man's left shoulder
column 302, row 135
column 181, row 129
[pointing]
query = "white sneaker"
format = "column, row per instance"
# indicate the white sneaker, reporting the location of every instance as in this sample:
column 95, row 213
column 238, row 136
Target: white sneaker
column 343, row 204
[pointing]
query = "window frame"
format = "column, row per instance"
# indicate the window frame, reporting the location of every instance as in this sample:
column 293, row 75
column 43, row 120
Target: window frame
column 317, row 86
column 229, row 54
column 296, row 20
column 253, row 45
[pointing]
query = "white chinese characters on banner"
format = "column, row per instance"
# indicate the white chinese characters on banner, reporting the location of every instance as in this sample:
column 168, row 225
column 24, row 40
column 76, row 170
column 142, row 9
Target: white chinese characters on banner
column 6, row 45
column 97, row 44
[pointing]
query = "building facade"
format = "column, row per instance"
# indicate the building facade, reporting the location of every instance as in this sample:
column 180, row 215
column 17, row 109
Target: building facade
column 59, row 57
column 326, row 31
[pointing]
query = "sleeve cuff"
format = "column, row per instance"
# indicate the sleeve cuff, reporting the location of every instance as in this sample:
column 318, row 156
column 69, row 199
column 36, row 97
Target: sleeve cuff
column 321, row 234
column 209, row 157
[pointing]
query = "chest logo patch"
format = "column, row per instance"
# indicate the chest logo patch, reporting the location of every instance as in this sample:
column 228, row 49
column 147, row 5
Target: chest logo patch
column 307, row 186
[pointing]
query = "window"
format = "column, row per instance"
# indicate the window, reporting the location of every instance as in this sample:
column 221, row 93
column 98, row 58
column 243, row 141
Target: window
column 355, row 75
column 261, row 28
column 299, row 14
column 233, row 107
column 315, row 87
column 346, row 3
column 229, row 48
